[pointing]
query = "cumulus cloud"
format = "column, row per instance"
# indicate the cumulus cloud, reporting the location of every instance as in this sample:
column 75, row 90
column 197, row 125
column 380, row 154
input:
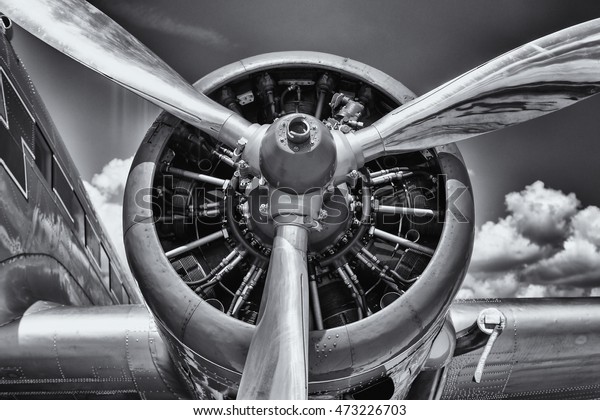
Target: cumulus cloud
column 546, row 246
column 541, row 291
column 106, row 193
column 578, row 263
column 508, row 285
column 586, row 225
column 542, row 214
column 111, row 180
column 500, row 246
column 505, row 285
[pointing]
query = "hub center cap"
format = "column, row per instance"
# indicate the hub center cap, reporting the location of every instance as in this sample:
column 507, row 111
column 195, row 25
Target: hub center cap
column 298, row 154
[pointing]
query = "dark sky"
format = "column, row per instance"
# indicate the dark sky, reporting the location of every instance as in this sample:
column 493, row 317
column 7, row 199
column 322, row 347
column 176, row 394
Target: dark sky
column 421, row 43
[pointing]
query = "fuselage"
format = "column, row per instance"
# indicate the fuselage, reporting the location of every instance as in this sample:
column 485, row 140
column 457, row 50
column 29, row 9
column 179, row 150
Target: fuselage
column 52, row 246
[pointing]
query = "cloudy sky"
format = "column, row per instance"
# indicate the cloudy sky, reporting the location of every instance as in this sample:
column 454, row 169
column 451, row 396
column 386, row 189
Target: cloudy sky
column 535, row 185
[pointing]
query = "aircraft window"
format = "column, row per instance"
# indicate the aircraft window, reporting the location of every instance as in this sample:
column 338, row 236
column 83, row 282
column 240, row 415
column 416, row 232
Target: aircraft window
column 115, row 284
column 63, row 190
column 117, row 289
column 61, row 186
column 43, row 155
column 3, row 113
column 92, row 241
column 11, row 141
column 126, row 299
column 104, row 267
column 12, row 159
column 78, row 215
column 18, row 119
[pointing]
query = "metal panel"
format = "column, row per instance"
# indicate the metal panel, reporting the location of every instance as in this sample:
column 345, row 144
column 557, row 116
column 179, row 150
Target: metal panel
column 548, row 350
column 82, row 352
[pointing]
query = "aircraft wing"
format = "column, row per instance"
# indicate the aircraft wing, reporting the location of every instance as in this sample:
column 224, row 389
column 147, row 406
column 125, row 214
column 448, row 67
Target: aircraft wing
column 66, row 352
column 547, row 349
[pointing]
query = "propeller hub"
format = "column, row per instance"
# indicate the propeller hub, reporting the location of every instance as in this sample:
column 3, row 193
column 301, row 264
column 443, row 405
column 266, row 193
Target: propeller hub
column 298, row 154
column 298, row 131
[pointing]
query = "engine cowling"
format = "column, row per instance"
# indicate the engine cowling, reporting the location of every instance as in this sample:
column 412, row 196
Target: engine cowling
column 386, row 255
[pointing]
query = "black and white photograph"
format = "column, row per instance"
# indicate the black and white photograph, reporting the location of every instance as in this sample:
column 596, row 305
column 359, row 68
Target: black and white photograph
column 300, row 200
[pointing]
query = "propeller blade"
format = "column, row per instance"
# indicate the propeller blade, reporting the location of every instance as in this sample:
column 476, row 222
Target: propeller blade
column 277, row 362
column 84, row 33
column 535, row 79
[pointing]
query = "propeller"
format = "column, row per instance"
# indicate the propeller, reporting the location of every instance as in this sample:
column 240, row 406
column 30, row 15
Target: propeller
column 530, row 81
column 84, row 33
column 277, row 362
column 533, row 80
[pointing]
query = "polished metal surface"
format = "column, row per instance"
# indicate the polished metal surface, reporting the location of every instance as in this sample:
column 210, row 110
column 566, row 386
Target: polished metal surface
column 199, row 177
column 406, row 211
column 60, row 351
column 349, row 155
column 207, row 337
column 42, row 254
column 540, row 77
column 306, row 59
column 84, row 33
column 209, row 347
column 277, row 362
column 278, row 355
column 200, row 337
column 222, row 233
column 547, row 350
column 306, row 163
column 403, row 242
column 315, row 305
